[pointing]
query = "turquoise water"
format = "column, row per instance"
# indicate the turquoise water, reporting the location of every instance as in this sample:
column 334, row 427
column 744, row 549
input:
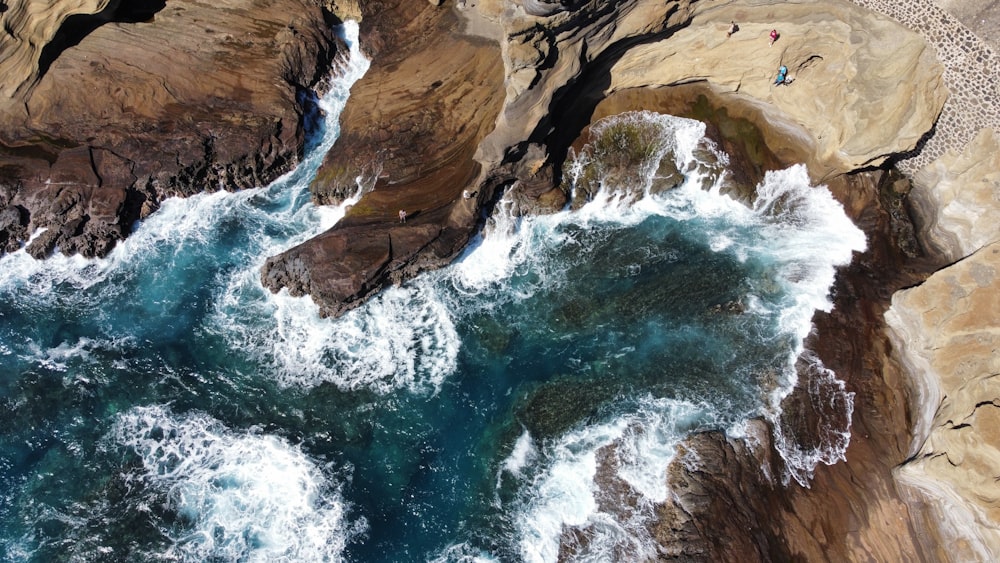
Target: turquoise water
column 160, row 405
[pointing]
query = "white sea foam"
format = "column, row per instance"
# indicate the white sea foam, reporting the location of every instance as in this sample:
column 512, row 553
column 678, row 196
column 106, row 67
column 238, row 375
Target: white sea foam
column 508, row 245
column 493, row 255
column 834, row 406
column 802, row 232
column 524, row 452
column 566, row 493
column 237, row 495
column 399, row 340
column 59, row 357
column 402, row 339
column 462, row 553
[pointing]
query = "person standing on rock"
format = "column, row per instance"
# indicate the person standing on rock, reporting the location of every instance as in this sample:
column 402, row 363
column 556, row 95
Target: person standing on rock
column 774, row 37
column 402, row 216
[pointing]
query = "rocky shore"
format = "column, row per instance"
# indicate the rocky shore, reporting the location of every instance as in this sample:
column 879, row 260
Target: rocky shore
column 867, row 94
column 107, row 108
column 486, row 96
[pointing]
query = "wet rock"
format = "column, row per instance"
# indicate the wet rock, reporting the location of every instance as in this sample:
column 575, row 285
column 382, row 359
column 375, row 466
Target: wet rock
column 162, row 103
column 435, row 104
column 410, row 132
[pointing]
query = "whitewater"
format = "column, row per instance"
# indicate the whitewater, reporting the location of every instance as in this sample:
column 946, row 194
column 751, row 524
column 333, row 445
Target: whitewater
column 160, row 405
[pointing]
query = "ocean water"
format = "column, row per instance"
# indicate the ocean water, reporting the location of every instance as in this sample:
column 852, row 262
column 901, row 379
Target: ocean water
column 160, row 405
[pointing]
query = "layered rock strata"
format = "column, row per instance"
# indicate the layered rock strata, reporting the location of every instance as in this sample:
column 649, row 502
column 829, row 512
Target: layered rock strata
column 109, row 107
column 838, row 114
column 946, row 333
column 409, row 134
column 972, row 68
column 847, row 108
column 863, row 88
column 486, row 96
column 957, row 198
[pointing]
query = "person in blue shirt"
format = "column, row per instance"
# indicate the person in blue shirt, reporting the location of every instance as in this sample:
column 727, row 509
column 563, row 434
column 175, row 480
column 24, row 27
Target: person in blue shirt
column 782, row 75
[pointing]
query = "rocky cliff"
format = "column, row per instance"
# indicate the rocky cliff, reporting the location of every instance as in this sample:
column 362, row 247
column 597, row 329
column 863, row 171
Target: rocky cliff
column 108, row 107
column 559, row 60
column 97, row 126
column 863, row 90
column 409, row 133
column 946, row 334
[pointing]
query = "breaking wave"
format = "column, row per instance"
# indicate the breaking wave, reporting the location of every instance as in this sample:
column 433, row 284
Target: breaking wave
column 232, row 496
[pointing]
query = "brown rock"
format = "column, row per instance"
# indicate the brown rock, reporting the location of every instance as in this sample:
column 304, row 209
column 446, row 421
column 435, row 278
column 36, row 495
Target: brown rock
column 729, row 492
column 947, row 333
column 561, row 60
column 411, row 130
column 125, row 106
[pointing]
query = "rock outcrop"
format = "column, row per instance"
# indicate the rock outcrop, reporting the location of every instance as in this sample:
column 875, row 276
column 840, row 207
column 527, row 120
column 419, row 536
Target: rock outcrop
column 946, row 333
column 410, row 131
column 559, row 61
column 35, row 33
column 862, row 88
column 957, row 198
column 109, row 107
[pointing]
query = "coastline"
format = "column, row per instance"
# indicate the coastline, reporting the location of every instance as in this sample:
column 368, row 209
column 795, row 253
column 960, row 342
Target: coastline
column 881, row 503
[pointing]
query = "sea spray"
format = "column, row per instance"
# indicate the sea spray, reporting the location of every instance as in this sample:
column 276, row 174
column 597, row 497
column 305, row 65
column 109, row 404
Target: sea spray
column 796, row 235
column 583, row 466
column 402, row 339
column 84, row 338
column 533, row 393
column 232, row 496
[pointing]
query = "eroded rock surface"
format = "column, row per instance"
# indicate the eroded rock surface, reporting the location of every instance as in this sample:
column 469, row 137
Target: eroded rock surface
column 729, row 499
column 948, row 334
column 957, row 198
column 847, row 108
column 410, row 131
column 113, row 106
column 863, row 87
column 963, row 33
column 33, row 27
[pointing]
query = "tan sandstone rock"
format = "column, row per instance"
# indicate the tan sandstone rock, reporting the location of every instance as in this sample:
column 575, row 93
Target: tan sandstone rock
column 864, row 87
column 957, row 198
column 30, row 26
column 947, row 331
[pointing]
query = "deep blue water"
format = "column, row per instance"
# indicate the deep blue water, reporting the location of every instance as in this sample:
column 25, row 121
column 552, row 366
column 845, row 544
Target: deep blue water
column 160, row 405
